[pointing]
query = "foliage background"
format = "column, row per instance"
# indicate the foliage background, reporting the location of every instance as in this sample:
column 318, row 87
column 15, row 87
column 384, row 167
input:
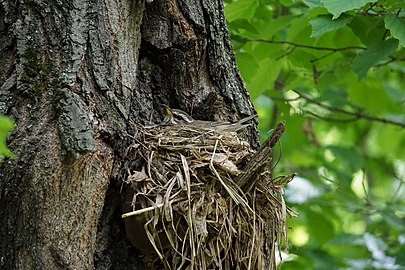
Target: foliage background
column 6, row 124
column 335, row 71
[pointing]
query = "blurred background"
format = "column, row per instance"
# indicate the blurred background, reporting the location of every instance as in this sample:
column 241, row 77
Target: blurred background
column 335, row 72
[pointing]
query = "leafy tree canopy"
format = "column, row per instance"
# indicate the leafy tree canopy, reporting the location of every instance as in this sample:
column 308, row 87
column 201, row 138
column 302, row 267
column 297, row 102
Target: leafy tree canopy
column 335, row 71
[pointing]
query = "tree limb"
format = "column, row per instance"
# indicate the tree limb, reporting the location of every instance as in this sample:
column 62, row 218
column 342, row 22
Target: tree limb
column 356, row 114
column 307, row 46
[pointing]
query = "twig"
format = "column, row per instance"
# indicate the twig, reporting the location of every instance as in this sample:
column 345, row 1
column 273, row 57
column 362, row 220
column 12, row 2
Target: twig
column 307, row 46
column 322, row 57
column 330, row 49
column 330, row 119
column 356, row 115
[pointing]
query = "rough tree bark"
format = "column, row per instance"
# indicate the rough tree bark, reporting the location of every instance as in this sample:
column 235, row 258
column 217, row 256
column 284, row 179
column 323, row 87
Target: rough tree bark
column 73, row 76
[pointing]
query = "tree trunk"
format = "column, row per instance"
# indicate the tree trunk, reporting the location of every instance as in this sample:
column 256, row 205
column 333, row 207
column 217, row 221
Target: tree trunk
column 74, row 75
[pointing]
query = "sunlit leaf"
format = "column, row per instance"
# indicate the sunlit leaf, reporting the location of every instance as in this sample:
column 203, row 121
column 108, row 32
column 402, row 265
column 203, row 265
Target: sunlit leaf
column 313, row 3
column 324, row 23
column 376, row 52
column 299, row 30
column 337, row 7
column 347, row 245
column 394, row 220
column 247, row 65
column 396, row 26
column 286, row 3
column 369, row 94
column 306, row 158
column 382, row 142
column 243, row 24
column 349, row 158
column 276, row 25
column 241, row 9
column 264, row 78
column 263, row 106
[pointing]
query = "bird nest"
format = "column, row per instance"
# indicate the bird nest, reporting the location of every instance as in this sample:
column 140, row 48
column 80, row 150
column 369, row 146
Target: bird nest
column 203, row 199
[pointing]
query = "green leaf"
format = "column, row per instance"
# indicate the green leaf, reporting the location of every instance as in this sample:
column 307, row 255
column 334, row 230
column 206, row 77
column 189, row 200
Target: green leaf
column 262, row 13
column 369, row 94
column 337, row 7
column 348, row 158
column 320, row 228
column 247, row 65
column 368, row 29
column 6, row 124
column 305, row 158
column 376, row 52
column 243, row 24
column 394, row 4
column 286, row 3
column 238, row 38
column 264, row 105
column 241, row 9
column 313, row 3
column 323, row 260
column 396, row 26
column 391, row 218
column 264, row 77
column 382, row 143
column 324, row 23
column 299, row 31
column 259, row 51
column 276, row 25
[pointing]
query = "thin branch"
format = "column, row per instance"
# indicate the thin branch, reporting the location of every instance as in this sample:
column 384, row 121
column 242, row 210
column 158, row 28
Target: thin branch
column 322, row 57
column 289, row 51
column 330, row 119
column 401, row 184
column 306, row 46
column 392, row 59
column 371, row 7
column 282, row 99
column 356, row 114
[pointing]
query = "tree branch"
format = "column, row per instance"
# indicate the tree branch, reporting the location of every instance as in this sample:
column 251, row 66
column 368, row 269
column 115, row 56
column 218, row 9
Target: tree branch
column 356, row 115
column 306, row 46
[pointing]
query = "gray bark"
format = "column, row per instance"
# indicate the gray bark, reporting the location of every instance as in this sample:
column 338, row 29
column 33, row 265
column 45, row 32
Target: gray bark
column 73, row 76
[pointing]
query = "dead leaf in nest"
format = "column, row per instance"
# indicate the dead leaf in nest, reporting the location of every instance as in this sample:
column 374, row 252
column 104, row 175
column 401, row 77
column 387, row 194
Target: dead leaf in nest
column 224, row 163
column 137, row 176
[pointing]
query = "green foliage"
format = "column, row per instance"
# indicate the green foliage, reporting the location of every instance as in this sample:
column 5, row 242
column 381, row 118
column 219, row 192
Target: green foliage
column 396, row 26
column 335, row 72
column 376, row 52
column 6, row 124
column 338, row 7
column 324, row 23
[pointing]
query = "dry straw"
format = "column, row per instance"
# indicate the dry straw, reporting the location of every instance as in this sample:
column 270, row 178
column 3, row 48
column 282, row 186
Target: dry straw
column 205, row 199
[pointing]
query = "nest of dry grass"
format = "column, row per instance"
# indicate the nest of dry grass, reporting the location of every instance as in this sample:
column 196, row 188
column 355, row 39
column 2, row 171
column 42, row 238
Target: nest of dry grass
column 186, row 184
